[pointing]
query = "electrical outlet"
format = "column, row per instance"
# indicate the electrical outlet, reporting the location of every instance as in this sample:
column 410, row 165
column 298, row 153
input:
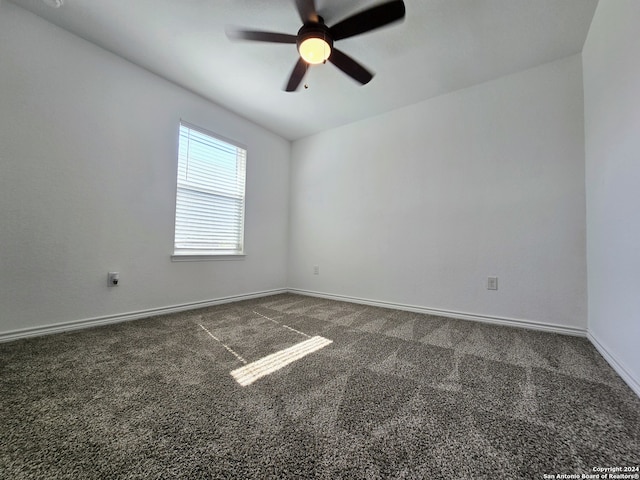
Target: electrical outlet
column 113, row 279
column 492, row 283
column 316, row 270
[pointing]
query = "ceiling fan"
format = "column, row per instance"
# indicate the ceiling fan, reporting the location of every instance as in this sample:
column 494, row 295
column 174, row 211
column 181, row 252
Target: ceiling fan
column 315, row 39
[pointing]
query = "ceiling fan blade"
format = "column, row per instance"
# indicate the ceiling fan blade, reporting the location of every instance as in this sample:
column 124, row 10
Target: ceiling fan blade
column 307, row 11
column 349, row 66
column 296, row 76
column 257, row 36
column 367, row 20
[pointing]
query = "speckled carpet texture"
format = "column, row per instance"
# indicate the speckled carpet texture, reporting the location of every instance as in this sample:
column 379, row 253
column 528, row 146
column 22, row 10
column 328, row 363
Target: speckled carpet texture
column 332, row 390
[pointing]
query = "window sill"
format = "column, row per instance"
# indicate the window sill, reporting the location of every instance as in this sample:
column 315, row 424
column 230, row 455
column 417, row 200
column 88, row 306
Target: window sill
column 205, row 257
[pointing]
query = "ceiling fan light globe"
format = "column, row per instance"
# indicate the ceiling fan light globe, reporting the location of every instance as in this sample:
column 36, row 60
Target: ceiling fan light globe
column 314, row 50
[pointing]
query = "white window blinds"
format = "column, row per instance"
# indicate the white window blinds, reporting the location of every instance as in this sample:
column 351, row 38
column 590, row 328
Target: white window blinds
column 210, row 195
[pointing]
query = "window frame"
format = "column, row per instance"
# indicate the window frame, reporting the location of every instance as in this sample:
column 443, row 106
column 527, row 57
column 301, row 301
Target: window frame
column 185, row 255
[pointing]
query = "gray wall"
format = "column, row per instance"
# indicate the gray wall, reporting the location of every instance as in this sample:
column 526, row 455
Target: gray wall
column 418, row 206
column 88, row 146
column 612, row 134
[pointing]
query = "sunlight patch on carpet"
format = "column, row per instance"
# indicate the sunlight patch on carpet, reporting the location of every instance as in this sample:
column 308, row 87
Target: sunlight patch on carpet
column 253, row 371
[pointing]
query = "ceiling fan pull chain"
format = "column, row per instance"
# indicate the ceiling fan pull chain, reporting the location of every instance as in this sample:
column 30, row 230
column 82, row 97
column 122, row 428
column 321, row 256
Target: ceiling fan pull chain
column 324, row 37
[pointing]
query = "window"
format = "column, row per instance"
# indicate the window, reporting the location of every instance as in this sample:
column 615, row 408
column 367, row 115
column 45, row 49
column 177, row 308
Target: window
column 210, row 195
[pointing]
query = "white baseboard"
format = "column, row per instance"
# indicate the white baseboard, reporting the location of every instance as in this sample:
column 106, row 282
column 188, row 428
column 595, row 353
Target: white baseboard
column 616, row 364
column 123, row 317
column 510, row 322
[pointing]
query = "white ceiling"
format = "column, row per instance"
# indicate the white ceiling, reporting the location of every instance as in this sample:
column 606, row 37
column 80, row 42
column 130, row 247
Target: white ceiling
column 442, row 46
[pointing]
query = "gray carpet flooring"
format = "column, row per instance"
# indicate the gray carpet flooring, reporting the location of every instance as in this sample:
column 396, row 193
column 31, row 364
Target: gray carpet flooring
column 396, row 395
